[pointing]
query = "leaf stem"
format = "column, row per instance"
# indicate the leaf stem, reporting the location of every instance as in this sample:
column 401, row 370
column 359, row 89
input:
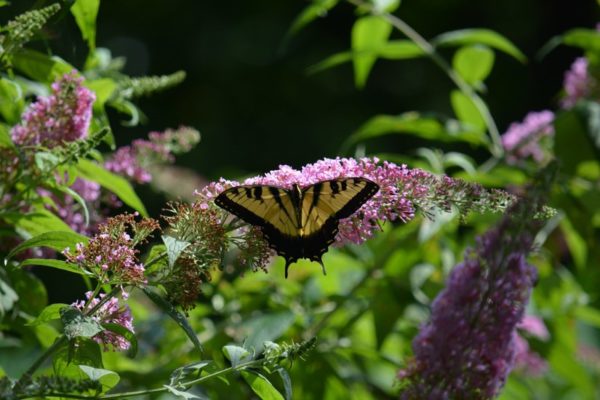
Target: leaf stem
column 496, row 145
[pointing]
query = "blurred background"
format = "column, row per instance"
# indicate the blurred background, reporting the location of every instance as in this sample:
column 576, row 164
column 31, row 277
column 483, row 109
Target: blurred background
column 249, row 93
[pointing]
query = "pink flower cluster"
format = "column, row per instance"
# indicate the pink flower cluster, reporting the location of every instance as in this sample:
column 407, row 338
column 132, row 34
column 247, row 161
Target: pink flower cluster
column 110, row 258
column 133, row 161
column 578, row 83
column 391, row 203
column 109, row 312
column 522, row 140
column 527, row 360
column 63, row 116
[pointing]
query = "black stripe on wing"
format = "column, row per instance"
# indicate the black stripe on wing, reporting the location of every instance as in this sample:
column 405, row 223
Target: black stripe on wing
column 365, row 190
column 225, row 201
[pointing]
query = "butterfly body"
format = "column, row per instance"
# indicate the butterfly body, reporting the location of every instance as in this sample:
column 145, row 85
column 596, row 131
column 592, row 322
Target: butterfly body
column 298, row 222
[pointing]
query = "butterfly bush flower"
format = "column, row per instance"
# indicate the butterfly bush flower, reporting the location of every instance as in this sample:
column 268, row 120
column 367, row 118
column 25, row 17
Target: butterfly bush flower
column 63, row 116
column 401, row 192
column 526, row 360
column 522, row 140
column 578, row 83
column 110, row 255
column 109, row 312
column 135, row 160
column 468, row 347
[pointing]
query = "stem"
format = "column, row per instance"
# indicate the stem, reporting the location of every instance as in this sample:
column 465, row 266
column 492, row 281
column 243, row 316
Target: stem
column 45, row 355
column 186, row 385
column 496, row 147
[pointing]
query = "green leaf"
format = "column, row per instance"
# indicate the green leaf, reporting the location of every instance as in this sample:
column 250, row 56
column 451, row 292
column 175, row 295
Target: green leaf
column 416, row 124
column 467, row 111
column 589, row 315
column 181, row 393
column 49, row 313
column 104, row 89
column 78, row 325
column 11, row 103
column 287, row 382
column 46, row 161
column 156, row 252
column 572, row 143
column 266, row 327
column 391, row 50
column 177, row 316
column 115, row 183
column 36, row 222
column 39, row 66
column 57, row 240
column 317, row 9
column 30, row 290
column 191, row 370
column 174, row 248
column 586, row 39
column 126, row 333
column 235, row 354
column 368, row 35
column 108, row 379
column 473, row 63
column 85, row 13
column 576, row 244
column 84, row 351
column 480, row 36
column 8, row 297
column 5, row 139
column 261, row 386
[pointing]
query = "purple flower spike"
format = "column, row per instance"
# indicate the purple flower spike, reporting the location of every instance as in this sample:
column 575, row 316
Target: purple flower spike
column 64, row 116
column 468, row 347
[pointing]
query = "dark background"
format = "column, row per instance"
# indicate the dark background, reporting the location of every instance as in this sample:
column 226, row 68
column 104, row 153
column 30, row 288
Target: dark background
column 253, row 100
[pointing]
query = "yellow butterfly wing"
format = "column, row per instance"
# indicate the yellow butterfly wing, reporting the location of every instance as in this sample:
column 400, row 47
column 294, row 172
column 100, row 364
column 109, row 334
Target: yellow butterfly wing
column 334, row 199
column 261, row 205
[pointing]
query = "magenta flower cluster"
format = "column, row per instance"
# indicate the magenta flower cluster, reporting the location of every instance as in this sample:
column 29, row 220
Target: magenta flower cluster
column 396, row 183
column 467, row 348
column 133, row 161
column 522, row 140
column 63, row 116
column 109, row 258
column 109, row 312
column 578, row 84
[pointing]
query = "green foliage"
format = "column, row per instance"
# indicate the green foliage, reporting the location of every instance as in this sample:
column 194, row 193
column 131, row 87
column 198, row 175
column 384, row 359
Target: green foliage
column 205, row 326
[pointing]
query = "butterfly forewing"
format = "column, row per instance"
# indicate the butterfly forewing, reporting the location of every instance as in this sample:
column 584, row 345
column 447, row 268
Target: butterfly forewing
column 338, row 198
column 261, row 205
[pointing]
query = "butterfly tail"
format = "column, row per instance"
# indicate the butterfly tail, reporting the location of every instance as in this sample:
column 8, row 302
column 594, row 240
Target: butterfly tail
column 322, row 266
column 288, row 261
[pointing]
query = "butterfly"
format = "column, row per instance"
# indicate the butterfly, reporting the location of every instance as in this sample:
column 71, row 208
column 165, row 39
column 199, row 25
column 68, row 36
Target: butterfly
column 298, row 222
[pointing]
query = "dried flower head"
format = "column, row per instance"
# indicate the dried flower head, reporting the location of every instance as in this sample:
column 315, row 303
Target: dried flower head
column 109, row 312
column 64, row 116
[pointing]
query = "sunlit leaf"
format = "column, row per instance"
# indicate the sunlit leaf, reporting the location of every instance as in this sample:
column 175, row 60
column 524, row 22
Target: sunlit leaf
column 57, row 240
column 51, row 312
column 108, row 379
column 479, row 36
column 466, row 111
column 261, row 386
column 78, row 325
column 368, row 35
column 115, row 183
column 85, row 13
column 235, row 354
column 473, row 63
column 39, row 66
